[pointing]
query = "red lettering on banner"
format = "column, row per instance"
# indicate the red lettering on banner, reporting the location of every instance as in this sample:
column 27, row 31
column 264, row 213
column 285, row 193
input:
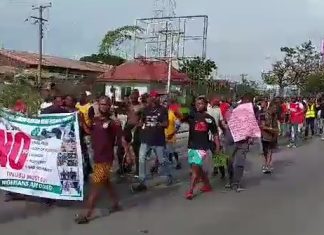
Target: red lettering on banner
column 5, row 146
column 14, row 148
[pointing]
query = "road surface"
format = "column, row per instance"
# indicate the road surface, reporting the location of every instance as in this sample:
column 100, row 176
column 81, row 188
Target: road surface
column 289, row 202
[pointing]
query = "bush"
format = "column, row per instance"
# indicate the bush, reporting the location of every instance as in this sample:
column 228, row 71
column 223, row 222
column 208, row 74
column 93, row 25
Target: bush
column 10, row 93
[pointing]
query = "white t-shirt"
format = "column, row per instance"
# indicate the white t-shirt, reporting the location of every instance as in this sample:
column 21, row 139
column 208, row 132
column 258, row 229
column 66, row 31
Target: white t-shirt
column 45, row 105
column 216, row 113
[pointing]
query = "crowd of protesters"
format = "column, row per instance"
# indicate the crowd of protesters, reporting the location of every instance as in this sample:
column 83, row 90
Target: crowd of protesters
column 151, row 126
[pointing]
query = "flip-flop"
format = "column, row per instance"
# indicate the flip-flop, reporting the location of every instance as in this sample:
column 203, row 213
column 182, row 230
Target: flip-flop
column 81, row 219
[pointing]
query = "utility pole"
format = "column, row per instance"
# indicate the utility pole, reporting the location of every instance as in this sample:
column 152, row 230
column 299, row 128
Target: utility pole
column 40, row 21
column 243, row 76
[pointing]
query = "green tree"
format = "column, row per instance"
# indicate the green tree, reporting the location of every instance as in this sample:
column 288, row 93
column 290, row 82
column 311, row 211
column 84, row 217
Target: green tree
column 198, row 68
column 279, row 75
column 295, row 68
column 110, row 48
column 104, row 59
column 314, row 84
column 114, row 39
column 199, row 71
column 247, row 87
column 302, row 60
column 20, row 89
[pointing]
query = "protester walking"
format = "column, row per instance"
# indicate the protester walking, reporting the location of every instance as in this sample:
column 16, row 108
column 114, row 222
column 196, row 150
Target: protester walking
column 170, row 134
column 133, row 125
column 104, row 137
column 199, row 145
column 155, row 120
column 310, row 118
column 83, row 107
column 296, row 111
column 237, row 156
column 269, row 134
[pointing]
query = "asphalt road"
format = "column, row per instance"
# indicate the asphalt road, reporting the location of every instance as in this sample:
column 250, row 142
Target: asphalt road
column 288, row 202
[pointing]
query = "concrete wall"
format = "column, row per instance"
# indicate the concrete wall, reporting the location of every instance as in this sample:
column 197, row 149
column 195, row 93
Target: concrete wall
column 141, row 87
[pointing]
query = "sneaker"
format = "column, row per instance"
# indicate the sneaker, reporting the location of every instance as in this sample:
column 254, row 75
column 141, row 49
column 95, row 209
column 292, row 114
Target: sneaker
column 206, row 189
column 264, row 169
column 267, row 170
column 238, row 188
column 289, row 145
column 139, row 188
column 228, row 186
column 189, row 195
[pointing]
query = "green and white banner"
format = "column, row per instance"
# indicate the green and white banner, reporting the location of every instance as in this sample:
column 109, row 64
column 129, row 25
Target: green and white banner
column 41, row 156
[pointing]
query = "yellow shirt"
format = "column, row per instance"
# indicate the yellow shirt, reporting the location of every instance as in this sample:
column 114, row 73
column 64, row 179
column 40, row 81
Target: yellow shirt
column 171, row 127
column 84, row 110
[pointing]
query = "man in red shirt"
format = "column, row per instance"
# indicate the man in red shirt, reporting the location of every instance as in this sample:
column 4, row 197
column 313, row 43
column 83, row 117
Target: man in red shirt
column 224, row 107
column 284, row 118
column 296, row 111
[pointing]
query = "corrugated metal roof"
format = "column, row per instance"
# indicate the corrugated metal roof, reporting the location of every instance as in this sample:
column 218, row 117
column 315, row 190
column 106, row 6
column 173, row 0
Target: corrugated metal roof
column 53, row 61
column 143, row 71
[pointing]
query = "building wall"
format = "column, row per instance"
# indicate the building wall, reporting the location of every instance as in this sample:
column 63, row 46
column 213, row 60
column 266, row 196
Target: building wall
column 123, row 89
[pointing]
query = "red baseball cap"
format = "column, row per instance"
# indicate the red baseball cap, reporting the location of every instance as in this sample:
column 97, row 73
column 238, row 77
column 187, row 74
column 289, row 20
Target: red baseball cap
column 154, row 94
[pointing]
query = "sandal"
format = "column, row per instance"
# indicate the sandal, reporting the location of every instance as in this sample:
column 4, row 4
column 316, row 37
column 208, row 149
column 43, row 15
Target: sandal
column 81, row 219
column 189, row 195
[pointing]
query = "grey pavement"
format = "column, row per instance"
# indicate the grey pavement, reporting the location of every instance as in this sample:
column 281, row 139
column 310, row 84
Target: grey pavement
column 288, row 202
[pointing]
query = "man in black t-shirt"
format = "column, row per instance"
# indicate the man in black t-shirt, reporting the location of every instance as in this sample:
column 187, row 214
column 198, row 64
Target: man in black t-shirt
column 201, row 125
column 155, row 120
column 56, row 107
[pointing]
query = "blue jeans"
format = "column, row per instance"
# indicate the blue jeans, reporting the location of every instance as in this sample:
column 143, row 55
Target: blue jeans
column 160, row 153
column 294, row 134
column 285, row 129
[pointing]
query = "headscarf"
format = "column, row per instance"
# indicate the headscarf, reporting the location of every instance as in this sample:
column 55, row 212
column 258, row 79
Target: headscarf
column 20, row 107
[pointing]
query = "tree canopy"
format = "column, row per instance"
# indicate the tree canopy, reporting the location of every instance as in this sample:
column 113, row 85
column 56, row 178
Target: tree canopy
column 114, row 39
column 246, row 87
column 314, row 84
column 295, row 68
column 104, row 59
column 198, row 68
column 111, row 46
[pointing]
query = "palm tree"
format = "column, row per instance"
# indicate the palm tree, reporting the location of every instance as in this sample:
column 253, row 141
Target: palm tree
column 114, row 39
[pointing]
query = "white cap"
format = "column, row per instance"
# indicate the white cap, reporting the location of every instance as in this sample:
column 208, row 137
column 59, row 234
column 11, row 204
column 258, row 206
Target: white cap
column 88, row 93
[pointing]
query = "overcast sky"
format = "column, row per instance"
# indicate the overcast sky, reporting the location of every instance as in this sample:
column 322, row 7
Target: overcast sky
column 243, row 37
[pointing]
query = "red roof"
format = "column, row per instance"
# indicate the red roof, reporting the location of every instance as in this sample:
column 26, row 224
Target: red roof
column 31, row 59
column 143, row 71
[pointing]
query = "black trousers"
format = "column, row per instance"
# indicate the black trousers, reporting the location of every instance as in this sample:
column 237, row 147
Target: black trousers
column 236, row 162
column 310, row 123
column 136, row 142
